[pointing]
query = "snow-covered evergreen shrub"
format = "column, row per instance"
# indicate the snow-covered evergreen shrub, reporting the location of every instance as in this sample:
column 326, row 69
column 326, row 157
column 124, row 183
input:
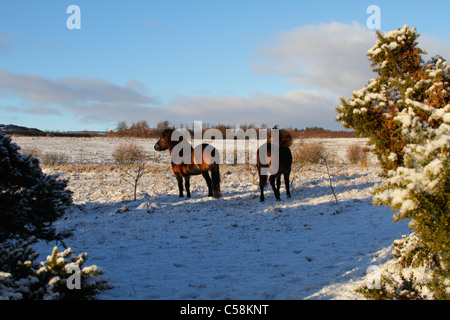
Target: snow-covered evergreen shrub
column 371, row 110
column 30, row 201
column 54, row 279
column 413, row 274
column 17, row 281
column 405, row 113
column 61, row 270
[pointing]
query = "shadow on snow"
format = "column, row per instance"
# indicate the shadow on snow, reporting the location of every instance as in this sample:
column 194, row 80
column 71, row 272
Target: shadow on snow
column 165, row 247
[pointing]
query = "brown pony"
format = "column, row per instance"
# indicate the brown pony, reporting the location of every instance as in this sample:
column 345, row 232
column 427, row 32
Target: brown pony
column 284, row 161
column 192, row 167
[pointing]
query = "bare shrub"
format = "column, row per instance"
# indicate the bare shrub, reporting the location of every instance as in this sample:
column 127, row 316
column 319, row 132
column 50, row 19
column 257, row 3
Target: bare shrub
column 132, row 162
column 311, row 153
column 47, row 158
column 253, row 171
column 33, row 151
column 128, row 154
column 54, row 159
column 357, row 154
column 315, row 153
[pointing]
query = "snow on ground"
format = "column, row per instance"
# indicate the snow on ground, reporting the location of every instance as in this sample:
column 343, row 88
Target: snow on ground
column 164, row 247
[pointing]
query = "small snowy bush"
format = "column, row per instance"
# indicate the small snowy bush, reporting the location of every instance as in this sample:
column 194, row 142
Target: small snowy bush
column 357, row 154
column 128, row 154
column 60, row 277
column 54, row 159
column 132, row 162
column 405, row 113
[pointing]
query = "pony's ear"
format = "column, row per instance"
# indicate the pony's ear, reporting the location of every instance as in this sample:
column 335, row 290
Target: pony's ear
column 168, row 132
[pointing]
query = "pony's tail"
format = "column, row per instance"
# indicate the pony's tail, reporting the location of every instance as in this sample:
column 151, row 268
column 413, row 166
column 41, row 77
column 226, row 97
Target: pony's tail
column 215, row 177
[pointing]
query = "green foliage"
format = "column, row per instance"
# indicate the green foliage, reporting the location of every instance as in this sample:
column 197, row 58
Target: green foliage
column 440, row 284
column 405, row 113
column 62, row 270
column 415, row 274
column 371, row 111
column 406, row 289
column 30, row 201
column 56, row 278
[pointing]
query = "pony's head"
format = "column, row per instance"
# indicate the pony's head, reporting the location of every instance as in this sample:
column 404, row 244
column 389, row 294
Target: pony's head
column 164, row 142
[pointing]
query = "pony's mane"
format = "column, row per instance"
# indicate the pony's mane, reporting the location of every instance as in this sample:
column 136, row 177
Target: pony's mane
column 284, row 138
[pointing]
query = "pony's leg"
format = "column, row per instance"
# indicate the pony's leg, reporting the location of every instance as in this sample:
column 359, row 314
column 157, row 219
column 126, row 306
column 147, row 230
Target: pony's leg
column 275, row 191
column 262, row 183
column 215, row 180
column 287, row 184
column 180, row 185
column 187, row 185
column 205, row 175
column 278, row 182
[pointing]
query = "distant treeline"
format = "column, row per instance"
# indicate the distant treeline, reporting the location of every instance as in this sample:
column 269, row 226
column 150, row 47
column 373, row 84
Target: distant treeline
column 315, row 132
column 141, row 129
column 12, row 129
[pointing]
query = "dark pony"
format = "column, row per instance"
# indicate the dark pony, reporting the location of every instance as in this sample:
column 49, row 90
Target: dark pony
column 283, row 162
column 188, row 168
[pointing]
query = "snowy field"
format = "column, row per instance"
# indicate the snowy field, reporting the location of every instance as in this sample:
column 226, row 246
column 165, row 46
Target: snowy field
column 164, row 247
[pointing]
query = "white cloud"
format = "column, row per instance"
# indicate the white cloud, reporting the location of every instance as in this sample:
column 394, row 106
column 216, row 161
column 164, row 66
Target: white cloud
column 434, row 46
column 70, row 89
column 330, row 57
column 90, row 99
column 99, row 101
column 10, row 109
column 42, row 110
column 295, row 108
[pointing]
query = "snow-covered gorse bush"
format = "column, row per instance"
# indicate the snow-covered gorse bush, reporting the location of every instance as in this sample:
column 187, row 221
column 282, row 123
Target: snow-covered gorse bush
column 30, row 201
column 405, row 113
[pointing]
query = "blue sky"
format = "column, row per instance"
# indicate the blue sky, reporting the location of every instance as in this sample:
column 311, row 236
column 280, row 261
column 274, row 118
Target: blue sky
column 273, row 62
